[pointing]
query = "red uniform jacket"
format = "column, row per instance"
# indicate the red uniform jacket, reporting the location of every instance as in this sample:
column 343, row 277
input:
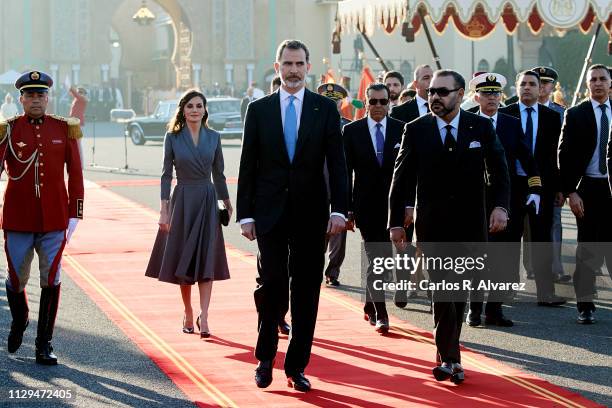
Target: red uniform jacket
column 48, row 210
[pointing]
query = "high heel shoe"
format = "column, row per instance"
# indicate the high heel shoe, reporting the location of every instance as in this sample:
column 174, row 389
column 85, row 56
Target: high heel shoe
column 203, row 334
column 187, row 330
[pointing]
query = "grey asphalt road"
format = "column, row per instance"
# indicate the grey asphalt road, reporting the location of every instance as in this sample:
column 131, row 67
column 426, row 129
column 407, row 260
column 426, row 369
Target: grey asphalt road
column 108, row 370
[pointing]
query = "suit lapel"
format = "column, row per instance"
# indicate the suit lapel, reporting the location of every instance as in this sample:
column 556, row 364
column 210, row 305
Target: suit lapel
column 277, row 124
column 309, row 107
column 188, row 140
column 463, row 133
column 390, row 141
column 366, row 142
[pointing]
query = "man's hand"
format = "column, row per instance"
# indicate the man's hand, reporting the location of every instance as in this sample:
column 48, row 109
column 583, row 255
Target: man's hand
column 576, row 204
column 498, row 220
column 559, row 200
column 335, row 225
column 398, row 237
column 408, row 217
column 72, row 224
column 350, row 224
column 248, row 231
column 535, row 199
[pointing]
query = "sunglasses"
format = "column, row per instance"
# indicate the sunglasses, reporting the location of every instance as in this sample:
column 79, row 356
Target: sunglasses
column 442, row 92
column 374, row 101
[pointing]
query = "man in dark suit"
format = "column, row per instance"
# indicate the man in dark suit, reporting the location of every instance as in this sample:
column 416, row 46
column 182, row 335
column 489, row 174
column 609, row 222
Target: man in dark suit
column 371, row 145
column 244, row 103
column 288, row 136
column 524, row 191
column 407, row 112
column 443, row 161
column 584, row 178
column 542, row 128
column 336, row 244
column 417, row 107
column 548, row 79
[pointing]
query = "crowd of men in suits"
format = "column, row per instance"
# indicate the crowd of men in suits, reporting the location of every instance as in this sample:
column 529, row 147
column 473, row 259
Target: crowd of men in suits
column 458, row 176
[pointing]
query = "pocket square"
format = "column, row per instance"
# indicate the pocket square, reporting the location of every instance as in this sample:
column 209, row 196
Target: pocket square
column 474, row 144
column 397, row 146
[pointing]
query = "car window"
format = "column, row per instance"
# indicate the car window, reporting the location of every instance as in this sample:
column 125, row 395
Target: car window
column 158, row 109
column 229, row 106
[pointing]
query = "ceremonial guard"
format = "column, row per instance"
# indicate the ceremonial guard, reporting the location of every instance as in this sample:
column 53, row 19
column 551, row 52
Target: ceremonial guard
column 38, row 213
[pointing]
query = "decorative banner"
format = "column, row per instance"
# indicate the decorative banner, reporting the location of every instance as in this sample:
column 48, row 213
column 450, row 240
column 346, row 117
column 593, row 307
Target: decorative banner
column 475, row 19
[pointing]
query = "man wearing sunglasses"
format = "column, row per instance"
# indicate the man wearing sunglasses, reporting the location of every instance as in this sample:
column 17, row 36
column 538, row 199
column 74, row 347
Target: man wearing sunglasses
column 542, row 128
column 371, row 145
column 443, row 160
column 487, row 88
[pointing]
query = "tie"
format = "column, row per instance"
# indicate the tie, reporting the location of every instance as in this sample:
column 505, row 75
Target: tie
column 529, row 129
column 603, row 139
column 493, row 122
column 449, row 140
column 290, row 129
column 380, row 144
column 426, row 104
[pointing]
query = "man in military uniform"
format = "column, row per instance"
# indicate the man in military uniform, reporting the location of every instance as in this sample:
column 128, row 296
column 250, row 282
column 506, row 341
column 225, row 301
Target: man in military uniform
column 525, row 186
column 336, row 243
column 548, row 79
column 38, row 213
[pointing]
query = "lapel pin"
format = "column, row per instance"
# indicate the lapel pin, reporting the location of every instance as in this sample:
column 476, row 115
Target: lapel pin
column 21, row 145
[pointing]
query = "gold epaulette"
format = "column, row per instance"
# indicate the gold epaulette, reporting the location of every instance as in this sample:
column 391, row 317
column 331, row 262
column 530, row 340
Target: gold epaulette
column 74, row 126
column 4, row 127
column 534, row 181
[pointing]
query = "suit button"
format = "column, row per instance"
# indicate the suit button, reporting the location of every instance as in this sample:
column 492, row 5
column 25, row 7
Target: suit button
column 42, row 174
column 41, row 184
column 41, row 164
column 38, row 136
column 37, row 127
column 41, row 155
column 40, row 144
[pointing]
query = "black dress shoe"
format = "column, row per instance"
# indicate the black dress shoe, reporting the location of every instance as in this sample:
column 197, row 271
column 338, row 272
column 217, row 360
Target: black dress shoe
column 473, row 319
column 382, row 326
column 400, row 298
column 44, row 354
column 443, row 372
column 332, row 282
column 553, row 301
column 298, row 382
column 369, row 318
column 586, row 317
column 500, row 320
column 458, row 374
column 263, row 373
column 283, row 327
column 563, row 278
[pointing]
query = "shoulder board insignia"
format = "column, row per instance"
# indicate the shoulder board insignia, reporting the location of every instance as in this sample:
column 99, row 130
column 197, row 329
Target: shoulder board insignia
column 74, row 126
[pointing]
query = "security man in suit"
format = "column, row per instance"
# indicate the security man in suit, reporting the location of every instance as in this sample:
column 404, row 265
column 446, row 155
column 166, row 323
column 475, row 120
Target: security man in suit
column 584, row 178
column 38, row 213
column 548, row 79
column 542, row 128
column 443, row 160
column 525, row 191
column 371, row 145
column 336, row 244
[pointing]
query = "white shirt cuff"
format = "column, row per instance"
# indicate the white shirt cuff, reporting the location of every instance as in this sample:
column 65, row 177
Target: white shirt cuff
column 409, row 206
column 246, row 220
column 339, row 215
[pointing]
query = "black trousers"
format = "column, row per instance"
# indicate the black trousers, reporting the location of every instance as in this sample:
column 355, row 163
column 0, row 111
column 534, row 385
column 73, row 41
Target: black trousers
column 289, row 258
column 540, row 226
column 594, row 238
column 376, row 244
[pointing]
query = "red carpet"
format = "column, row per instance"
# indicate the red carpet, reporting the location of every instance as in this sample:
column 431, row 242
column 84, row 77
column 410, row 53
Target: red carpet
column 351, row 366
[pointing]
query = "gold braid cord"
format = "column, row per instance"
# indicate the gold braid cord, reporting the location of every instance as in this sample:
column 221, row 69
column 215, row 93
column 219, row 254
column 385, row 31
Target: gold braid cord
column 74, row 126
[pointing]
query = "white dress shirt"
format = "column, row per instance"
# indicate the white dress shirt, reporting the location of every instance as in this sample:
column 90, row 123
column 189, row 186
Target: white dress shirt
column 454, row 123
column 372, row 126
column 592, row 169
column 297, row 102
column 421, row 105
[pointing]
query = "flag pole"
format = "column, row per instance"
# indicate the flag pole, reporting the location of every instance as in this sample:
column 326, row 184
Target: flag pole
column 378, row 57
column 587, row 61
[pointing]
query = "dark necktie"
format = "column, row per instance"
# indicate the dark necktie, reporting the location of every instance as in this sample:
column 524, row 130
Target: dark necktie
column 603, row 139
column 426, row 104
column 380, row 144
column 449, row 140
column 529, row 129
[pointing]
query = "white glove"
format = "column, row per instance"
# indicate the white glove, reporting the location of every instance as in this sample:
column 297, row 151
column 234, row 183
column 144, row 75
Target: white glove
column 535, row 199
column 72, row 224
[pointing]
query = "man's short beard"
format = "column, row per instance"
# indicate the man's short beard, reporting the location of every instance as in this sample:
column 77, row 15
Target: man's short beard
column 293, row 83
column 393, row 96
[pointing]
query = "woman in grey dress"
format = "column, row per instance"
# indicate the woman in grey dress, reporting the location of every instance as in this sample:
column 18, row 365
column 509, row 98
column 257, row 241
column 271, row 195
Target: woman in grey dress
column 189, row 247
